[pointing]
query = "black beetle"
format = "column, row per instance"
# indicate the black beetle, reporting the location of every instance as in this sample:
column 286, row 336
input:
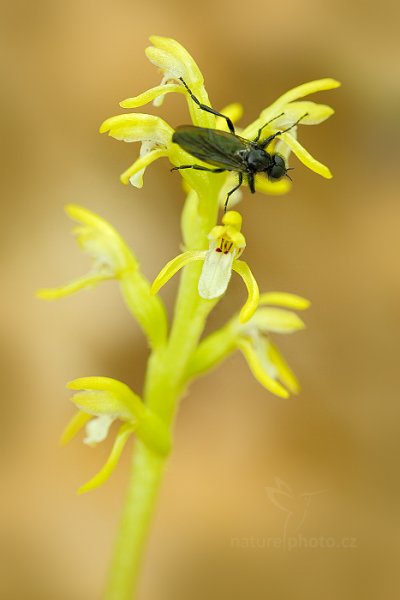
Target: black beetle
column 230, row 152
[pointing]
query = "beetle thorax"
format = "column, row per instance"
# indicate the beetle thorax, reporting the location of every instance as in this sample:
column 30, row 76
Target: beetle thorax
column 257, row 159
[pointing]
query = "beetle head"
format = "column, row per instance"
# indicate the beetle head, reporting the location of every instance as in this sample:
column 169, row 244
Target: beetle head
column 277, row 168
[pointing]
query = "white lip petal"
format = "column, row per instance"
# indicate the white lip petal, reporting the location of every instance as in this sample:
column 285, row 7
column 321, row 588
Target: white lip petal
column 97, row 429
column 215, row 275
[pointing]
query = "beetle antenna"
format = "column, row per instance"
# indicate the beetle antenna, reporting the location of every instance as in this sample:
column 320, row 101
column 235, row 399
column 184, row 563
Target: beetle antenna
column 289, row 169
column 294, row 124
column 265, row 124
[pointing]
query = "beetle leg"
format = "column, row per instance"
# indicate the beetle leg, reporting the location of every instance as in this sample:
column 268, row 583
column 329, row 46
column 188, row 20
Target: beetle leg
column 208, row 108
column 198, row 168
column 267, row 123
column 269, row 139
column 250, row 180
column 233, row 190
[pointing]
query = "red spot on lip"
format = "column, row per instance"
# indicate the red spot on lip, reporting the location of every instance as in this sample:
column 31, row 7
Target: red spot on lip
column 218, row 250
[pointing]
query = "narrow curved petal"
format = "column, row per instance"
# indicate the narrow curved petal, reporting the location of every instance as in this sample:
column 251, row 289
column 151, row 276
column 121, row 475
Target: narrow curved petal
column 173, row 267
column 305, row 157
column 132, row 176
column 285, row 300
column 251, row 304
column 285, row 373
column 215, row 274
column 305, row 89
column 122, row 437
column 277, row 320
column 77, row 423
column 86, row 281
column 151, row 95
column 256, row 367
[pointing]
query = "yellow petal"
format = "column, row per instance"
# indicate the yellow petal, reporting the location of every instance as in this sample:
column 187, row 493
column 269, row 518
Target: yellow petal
column 251, row 304
column 284, row 299
column 173, row 59
column 277, row 320
column 77, row 422
column 305, row 157
column 175, row 62
column 136, row 127
column 255, row 365
column 272, row 188
column 140, row 165
column 315, row 114
column 87, row 281
column 173, row 267
column 286, row 375
column 234, row 111
column 305, row 89
column 151, row 94
column 105, row 395
column 112, row 461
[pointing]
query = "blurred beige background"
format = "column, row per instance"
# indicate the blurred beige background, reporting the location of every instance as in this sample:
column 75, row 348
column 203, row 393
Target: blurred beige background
column 65, row 67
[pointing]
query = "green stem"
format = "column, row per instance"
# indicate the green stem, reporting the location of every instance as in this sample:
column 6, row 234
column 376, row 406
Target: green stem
column 147, row 470
column 163, row 389
column 164, row 385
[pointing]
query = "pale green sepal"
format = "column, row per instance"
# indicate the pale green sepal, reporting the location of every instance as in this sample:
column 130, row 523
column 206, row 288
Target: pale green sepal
column 305, row 157
column 77, row 423
column 101, row 477
column 105, row 395
column 251, row 304
column 151, row 95
column 175, row 62
column 100, row 239
column 277, row 320
column 173, row 267
column 257, row 369
column 285, row 373
column 173, row 59
column 284, row 299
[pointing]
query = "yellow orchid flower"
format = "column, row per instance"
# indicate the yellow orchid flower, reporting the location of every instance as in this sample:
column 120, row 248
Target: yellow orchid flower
column 226, row 244
column 100, row 402
column 155, row 134
column 112, row 259
column 252, row 338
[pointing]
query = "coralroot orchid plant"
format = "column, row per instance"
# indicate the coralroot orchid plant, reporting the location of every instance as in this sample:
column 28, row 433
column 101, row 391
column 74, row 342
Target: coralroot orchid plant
column 179, row 353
